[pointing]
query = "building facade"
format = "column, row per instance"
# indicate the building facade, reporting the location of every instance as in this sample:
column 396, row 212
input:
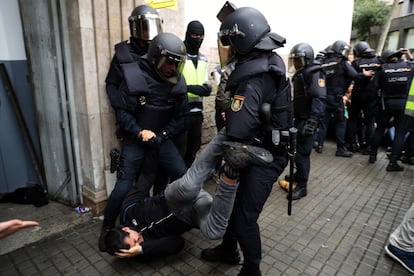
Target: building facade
column 65, row 50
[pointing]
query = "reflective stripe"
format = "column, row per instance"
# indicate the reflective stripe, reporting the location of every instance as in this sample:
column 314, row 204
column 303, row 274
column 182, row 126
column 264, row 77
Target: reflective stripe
column 194, row 98
column 409, row 106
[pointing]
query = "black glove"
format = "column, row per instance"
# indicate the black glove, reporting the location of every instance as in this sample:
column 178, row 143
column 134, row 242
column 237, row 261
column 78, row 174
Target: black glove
column 309, row 127
column 200, row 90
column 229, row 171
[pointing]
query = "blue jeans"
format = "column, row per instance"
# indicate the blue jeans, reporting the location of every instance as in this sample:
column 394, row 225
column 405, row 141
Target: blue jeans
column 195, row 206
column 170, row 163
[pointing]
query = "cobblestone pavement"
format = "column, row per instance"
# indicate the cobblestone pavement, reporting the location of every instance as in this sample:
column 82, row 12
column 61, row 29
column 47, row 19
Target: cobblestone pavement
column 339, row 228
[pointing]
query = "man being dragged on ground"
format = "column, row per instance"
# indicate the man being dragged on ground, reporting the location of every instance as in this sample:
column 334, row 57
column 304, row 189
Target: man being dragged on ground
column 152, row 226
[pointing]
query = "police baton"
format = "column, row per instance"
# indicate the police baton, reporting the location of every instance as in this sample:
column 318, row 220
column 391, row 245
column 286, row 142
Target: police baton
column 291, row 151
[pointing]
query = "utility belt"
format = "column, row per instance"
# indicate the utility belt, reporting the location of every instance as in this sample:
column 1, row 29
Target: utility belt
column 276, row 141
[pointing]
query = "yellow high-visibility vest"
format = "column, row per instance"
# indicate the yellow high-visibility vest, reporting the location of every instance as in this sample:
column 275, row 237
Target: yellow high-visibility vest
column 409, row 106
column 195, row 76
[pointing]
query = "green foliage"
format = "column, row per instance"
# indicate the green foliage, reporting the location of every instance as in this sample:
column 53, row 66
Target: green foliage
column 368, row 14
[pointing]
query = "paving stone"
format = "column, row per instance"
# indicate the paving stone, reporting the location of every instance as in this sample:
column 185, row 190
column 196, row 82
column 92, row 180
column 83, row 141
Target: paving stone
column 339, row 228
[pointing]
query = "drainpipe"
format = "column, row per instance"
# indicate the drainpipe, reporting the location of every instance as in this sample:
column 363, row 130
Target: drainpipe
column 72, row 135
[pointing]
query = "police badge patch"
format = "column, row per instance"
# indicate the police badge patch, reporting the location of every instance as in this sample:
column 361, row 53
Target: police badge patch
column 321, row 82
column 237, row 103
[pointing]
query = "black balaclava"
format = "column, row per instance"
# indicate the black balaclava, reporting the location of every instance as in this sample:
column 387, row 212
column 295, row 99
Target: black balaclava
column 193, row 44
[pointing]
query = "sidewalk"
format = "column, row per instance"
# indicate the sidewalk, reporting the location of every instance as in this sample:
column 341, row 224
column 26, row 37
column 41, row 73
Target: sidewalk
column 339, row 228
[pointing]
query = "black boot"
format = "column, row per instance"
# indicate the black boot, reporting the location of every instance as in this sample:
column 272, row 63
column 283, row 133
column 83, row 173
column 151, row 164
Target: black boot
column 250, row 271
column 393, row 165
column 298, row 192
column 221, row 254
column 367, row 150
column 106, row 226
column 354, row 147
column 342, row 151
column 319, row 148
column 372, row 156
column 407, row 159
column 240, row 155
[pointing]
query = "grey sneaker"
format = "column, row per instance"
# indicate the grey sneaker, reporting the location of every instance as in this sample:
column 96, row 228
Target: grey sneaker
column 240, row 155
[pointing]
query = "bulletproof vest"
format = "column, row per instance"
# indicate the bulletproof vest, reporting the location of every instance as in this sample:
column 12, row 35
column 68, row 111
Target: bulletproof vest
column 336, row 82
column 302, row 101
column 156, row 107
column 277, row 90
column 366, row 85
column 395, row 79
column 151, row 100
column 128, row 64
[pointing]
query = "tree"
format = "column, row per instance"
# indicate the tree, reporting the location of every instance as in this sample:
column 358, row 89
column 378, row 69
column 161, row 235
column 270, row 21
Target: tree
column 368, row 14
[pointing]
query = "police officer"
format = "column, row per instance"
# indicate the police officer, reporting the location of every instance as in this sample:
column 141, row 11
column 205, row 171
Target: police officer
column 261, row 104
column 394, row 80
column 144, row 24
column 150, row 112
column 339, row 75
column 364, row 101
column 309, row 96
column 195, row 73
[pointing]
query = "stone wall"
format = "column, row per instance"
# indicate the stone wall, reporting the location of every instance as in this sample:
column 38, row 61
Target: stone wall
column 95, row 27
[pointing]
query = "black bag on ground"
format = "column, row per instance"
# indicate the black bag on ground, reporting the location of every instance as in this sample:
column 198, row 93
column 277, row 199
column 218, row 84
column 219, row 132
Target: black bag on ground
column 35, row 195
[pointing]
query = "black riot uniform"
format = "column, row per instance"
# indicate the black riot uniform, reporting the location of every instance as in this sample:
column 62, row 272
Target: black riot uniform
column 261, row 105
column 309, row 96
column 364, row 102
column 339, row 75
column 145, row 24
column 394, row 81
column 152, row 101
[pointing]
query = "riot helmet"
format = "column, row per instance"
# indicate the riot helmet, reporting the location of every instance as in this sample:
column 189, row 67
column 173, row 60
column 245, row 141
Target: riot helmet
column 362, row 48
column 300, row 56
column 243, row 29
column 390, row 55
column 341, row 47
column 166, row 53
column 144, row 23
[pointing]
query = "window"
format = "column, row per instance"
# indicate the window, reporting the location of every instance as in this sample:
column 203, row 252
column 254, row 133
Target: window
column 410, row 6
column 409, row 41
column 392, row 40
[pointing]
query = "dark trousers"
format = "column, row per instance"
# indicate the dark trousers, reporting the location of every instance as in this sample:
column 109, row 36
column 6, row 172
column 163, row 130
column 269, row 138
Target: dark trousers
column 405, row 125
column 189, row 142
column 358, row 107
column 304, row 147
column 335, row 112
column 132, row 156
column 383, row 122
column 255, row 187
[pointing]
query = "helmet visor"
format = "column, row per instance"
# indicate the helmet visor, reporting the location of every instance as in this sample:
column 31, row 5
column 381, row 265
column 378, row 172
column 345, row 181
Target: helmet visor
column 346, row 51
column 296, row 62
column 170, row 66
column 226, row 34
column 146, row 27
column 226, row 53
